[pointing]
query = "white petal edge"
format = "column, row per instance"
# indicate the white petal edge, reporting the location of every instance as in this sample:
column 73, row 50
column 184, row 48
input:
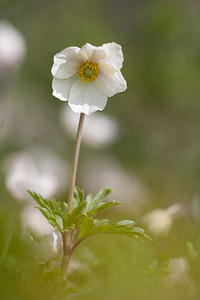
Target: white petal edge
column 86, row 98
column 114, row 55
column 98, row 54
column 92, row 53
column 111, row 85
column 62, row 87
column 66, row 63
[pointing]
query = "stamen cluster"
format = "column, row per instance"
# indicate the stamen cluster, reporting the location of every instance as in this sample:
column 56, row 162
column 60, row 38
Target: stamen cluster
column 88, row 71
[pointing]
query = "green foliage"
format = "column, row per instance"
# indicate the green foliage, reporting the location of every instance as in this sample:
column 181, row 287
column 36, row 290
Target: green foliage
column 89, row 226
column 52, row 210
column 156, row 270
column 191, row 252
column 82, row 219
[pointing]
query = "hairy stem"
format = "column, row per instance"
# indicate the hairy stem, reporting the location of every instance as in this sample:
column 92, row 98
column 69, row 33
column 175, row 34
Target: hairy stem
column 68, row 237
column 77, row 243
column 75, row 162
column 66, row 257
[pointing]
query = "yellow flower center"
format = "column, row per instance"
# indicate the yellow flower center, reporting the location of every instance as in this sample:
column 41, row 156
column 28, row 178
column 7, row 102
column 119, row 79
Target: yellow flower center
column 88, row 71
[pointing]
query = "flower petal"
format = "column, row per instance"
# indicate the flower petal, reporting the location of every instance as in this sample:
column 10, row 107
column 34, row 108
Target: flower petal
column 114, row 55
column 62, row 87
column 106, row 69
column 87, row 49
column 111, row 85
column 92, row 53
column 66, row 63
column 98, row 54
column 86, row 98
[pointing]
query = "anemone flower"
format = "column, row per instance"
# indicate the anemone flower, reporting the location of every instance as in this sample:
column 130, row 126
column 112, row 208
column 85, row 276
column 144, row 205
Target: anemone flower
column 87, row 76
column 12, row 47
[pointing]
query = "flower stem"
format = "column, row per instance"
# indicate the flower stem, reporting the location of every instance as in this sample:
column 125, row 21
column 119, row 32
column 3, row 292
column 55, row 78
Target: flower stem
column 66, row 257
column 67, row 237
column 75, row 163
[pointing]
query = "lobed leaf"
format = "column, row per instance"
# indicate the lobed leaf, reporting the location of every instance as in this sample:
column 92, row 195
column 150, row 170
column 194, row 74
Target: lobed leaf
column 71, row 220
column 101, row 206
column 96, row 204
column 81, row 216
column 59, row 221
column 89, row 226
column 86, row 225
column 45, row 212
column 78, row 197
column 101, row 222
column 51, row 209
column 125, row 223
column 101, row 195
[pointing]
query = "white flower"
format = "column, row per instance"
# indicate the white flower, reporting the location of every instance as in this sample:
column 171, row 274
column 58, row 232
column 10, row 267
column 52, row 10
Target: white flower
column 50, row 247
column 126, row 186
column 87, row 76
column 12, row 46
column 99, row 131
column 159, row 221
column 46, row 247
column 179, row 269
column 36, row 169
column 34, row 221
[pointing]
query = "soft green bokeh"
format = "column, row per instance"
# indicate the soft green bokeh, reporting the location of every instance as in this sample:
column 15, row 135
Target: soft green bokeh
column 159, row 140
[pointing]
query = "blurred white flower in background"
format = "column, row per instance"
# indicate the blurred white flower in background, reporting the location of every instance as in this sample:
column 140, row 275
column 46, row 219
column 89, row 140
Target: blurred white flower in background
column 159, row 221
column 12, row 54
column 12, row 47
column 50, row 247
column 35, row 169
column 99, row 130
column 87, row 76
column 45, row 248
column 98, row 173
column 179, row 269
column 34, row 221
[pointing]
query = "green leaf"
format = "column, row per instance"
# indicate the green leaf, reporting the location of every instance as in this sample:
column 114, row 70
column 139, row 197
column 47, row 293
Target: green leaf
column 65, row 205
column 68, row 221
column 89, row 199
column 191, row 252
column 43, row 203
column 78, row 197
column 101, row 195
column 101, row 206
column 81, row 215
column 59, row 221
column 125, row 223
column 78, row 210
column 89, row 226
column 52, row 210
column 55, row 205
column 96, row 204
column 52, row 223
column 100, row 222
column 86, row 226
column 156, row 270
column 72, row 219
column 45, row 212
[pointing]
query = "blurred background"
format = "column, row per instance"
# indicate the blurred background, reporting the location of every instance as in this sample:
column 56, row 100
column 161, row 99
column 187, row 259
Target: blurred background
column 145, row 145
